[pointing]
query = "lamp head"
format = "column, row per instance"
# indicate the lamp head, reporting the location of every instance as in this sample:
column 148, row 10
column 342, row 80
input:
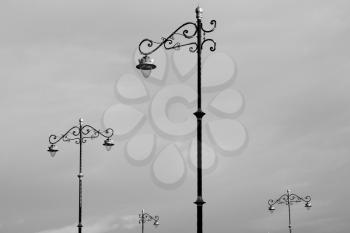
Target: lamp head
column 156, row 223
column 271, row 209
column 108, row 143
column 308, row 205
column 52, row 150
column 146, row 66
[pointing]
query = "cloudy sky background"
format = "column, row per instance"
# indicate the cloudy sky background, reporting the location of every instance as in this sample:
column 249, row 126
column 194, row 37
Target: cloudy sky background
column 59, row 61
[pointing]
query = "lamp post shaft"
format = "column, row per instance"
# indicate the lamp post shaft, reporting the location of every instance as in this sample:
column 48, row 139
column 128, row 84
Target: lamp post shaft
column 142, row 220
column 199, row 114
column 289, row 218
column 199, row 62
column 80, row 175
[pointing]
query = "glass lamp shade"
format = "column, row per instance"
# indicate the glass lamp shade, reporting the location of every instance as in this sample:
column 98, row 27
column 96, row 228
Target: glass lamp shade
column 146, row 73
column 52, row 150
column 271, row 209
column 156, row 223
column 146, row 66
column 308, row 205
column 108, row 143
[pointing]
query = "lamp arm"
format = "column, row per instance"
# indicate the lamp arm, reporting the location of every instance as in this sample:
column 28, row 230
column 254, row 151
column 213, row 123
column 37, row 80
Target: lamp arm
column 281, row 200
column 90, row 132
column 66, row 137
column 148, row 217
column 169, row 42
column 295, row 198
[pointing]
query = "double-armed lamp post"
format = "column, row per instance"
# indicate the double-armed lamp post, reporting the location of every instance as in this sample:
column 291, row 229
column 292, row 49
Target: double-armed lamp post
column 195, row 32
column 146, row 217
column 288, row 199
column 79, row 134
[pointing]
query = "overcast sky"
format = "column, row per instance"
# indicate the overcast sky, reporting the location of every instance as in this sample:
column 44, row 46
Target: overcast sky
column 60, row 60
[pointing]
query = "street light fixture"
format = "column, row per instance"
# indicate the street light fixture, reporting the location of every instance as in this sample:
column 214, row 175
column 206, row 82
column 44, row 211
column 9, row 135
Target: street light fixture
column 79, row 134
column 146, row 66
column 108, row 143
column 146, row 217
column 52, row 150
column 187, row 30
column 288, row 199
column 271, row 209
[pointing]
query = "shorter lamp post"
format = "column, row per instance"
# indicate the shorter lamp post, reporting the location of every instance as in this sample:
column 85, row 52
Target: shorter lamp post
column 79, row 134
column 146, row 217
column 288, row 199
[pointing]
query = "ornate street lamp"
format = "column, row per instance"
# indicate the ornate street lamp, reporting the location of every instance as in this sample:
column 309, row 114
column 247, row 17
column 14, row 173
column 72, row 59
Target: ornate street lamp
column 188, row 31
column 79, row 134
column 146, row 217
column 288, row 199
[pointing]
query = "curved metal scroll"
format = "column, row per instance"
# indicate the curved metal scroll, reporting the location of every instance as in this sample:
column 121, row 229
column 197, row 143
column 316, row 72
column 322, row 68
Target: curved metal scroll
column 67, row 137
column 295, row 198
column 169, row 42
column 88, row 131
column 213, row 23
column 282, row 200
column 146, row 217
column 212, row 47
column 73, row 134
column 188, row 33
column 292, row 199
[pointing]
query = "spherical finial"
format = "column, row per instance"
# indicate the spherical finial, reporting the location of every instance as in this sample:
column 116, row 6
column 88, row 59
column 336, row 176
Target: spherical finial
column 81, row 120
column 199, row 12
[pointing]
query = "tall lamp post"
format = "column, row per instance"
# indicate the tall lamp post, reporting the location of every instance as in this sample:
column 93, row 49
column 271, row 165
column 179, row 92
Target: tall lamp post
column 187, row 31
column 79, row 134
column 288, row 199
column 146, row 217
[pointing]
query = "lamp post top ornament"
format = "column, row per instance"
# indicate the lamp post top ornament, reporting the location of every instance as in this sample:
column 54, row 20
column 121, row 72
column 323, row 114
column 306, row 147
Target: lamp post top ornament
column 199, row 12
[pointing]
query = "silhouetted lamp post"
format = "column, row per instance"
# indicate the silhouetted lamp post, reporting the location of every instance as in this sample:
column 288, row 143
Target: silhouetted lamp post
column 79, row 134
column 146, row 217
column 189, row 30
column 288, row 199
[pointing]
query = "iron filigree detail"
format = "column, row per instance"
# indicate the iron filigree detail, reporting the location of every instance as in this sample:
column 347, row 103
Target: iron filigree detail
column 86, row 131
column 187, row 31
column 71, row 135
column 146, row 217
column 213, row 23
column 289, row 199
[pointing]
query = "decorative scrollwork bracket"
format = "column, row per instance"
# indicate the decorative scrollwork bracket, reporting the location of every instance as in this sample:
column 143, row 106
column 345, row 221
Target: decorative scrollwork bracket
column 186, row 31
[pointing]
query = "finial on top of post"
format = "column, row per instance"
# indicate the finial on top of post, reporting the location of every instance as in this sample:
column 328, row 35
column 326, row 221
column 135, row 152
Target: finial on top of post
column 199, row 12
